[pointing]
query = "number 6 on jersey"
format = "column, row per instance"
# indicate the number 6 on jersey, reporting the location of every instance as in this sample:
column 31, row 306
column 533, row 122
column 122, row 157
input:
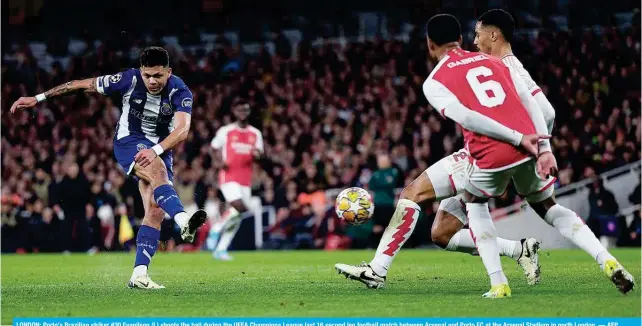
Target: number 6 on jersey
column 489, row 93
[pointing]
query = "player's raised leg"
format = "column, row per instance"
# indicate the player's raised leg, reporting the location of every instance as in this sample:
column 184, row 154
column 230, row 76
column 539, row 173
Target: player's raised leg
column 441, row 180
column 540, row 196
column 228, row 225
column 448, row 232
column 156, row 174
column 395, row 236
column 147, row 240
column 224, row 230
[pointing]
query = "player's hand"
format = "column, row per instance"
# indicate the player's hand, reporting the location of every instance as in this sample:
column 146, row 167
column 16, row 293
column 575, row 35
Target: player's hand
column 530, row 143
column 546, row 165
column 23, row 103
column 145, row 157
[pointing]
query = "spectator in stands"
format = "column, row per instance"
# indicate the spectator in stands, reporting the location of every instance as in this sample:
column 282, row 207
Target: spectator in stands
column 73, row 196
column 382, row 184
column 604, row 209
column 325, row 111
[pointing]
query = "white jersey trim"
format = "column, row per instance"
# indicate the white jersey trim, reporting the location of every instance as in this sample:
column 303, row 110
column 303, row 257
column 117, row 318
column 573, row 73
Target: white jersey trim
column 123, row 122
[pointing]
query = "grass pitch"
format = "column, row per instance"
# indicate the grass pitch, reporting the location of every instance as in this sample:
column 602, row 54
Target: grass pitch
column 304, row 284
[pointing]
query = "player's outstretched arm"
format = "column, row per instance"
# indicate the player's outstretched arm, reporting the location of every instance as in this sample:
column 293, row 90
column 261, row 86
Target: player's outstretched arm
column 182, row 122
column 88, row 85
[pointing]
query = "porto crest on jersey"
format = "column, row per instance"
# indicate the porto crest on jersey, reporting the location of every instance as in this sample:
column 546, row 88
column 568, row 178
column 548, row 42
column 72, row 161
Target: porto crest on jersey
column 166, row 109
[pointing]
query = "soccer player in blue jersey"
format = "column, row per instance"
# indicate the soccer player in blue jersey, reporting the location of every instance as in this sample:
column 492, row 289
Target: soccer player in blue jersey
column 156, row 114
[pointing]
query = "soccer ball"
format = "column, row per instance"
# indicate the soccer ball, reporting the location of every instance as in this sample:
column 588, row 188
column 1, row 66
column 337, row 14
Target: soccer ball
column 354, row 205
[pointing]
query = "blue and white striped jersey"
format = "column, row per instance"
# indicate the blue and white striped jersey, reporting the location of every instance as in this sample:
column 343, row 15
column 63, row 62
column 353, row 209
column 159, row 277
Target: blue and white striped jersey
column 144, row 114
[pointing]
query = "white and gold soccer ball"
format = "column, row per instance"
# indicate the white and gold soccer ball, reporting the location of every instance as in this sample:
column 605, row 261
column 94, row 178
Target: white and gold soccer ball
column 354, row 205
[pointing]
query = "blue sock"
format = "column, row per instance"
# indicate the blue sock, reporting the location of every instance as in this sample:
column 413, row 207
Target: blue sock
column 167, row 198
column 146, row 245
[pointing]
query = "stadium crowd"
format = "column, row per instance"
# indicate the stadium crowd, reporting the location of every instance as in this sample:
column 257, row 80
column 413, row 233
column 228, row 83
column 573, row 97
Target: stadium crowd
column 331, row 116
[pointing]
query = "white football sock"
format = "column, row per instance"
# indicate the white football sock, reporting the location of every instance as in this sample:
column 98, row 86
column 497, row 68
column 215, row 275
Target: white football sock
column 484, row 234
column 228, row 234
column 139, row 270
column 399, row 229
column 509, row 248
column 462, row 241
column 604, row 256
column 227, row 216
column 181, row 219
column 498, row 278
column 572, row 227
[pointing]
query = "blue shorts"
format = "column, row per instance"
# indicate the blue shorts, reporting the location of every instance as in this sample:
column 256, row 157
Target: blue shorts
column 126, row 148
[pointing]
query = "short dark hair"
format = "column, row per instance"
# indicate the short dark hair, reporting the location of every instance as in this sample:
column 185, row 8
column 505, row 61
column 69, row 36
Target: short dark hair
column 154, row 56
column 240, row 102
column 501, row 19
column 443, row 28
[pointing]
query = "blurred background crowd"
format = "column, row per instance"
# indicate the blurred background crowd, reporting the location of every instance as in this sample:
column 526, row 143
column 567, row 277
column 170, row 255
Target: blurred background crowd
column 337, row 95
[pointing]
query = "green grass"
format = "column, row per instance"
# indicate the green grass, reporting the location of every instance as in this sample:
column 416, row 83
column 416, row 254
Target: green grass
column 304, row 283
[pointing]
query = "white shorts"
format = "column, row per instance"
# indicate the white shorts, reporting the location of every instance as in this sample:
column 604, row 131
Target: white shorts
column 485, row 183
column 233, row 191
column 448, row 175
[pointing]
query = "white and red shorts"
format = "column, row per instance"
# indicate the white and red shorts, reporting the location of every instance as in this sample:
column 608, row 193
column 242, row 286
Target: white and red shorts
column 456, row 207
column 493, row 183
column 452, row 175
column 448, row 175
column 233, row 191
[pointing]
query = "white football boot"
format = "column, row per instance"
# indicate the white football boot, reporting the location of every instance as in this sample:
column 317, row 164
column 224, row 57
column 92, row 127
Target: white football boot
column 188, row 230
column 362, row 273
column 143, row 282
column 529, row 260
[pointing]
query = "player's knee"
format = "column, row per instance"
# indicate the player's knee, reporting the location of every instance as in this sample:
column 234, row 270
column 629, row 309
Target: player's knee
column 154, row 216
column 439, row 237
column 411, row 193
column 158, row 173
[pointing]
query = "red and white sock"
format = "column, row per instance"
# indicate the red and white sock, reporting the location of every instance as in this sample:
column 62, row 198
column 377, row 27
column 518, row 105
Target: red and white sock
column 400, row 228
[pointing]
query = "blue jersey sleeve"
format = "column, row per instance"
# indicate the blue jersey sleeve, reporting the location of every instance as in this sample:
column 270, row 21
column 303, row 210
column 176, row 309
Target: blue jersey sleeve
column 117, row 84
column 182, row 100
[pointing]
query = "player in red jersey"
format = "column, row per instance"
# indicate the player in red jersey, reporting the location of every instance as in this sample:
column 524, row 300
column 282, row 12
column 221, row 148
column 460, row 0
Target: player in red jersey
column 478, row 92
column 493, row 33
column 447, row 177
column 464, row 86
column 238, row 145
